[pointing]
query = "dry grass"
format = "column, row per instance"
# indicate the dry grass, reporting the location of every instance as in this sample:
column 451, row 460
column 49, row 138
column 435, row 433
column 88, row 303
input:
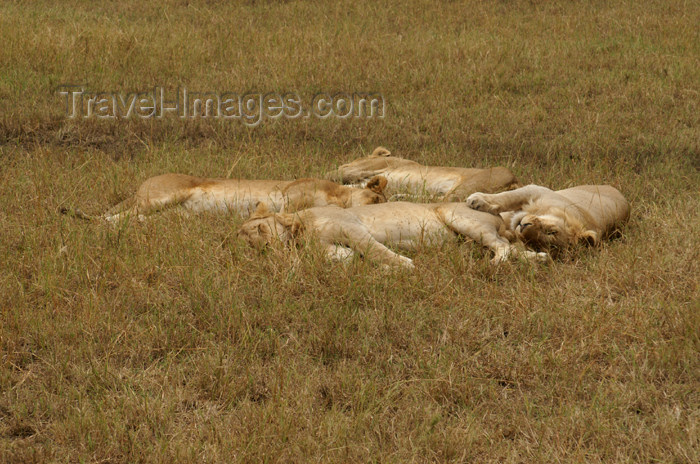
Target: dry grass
column 170, row 341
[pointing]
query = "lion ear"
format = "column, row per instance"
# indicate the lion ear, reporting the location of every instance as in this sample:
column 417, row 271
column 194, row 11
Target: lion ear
column 261, row 209
column 290, row 221
column 285, row 219
column 589, row 237
column 263, row 229
column 380, row 151
column 377, row 184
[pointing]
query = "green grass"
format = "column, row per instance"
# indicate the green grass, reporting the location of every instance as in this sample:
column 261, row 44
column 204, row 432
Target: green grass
column 171, row 341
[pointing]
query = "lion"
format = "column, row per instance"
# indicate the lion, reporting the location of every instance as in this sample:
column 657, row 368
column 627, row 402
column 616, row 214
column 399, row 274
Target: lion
column 195, row 194
column 369, row 230
column 445, row 183
column 554, row 221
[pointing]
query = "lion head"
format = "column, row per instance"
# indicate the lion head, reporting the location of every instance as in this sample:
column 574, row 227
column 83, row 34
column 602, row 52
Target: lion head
column 371, row 194
column 380, row 151
column 553, row 232
column 264, row 227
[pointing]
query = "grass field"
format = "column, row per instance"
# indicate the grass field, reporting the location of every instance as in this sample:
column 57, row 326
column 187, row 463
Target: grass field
column 171, row 341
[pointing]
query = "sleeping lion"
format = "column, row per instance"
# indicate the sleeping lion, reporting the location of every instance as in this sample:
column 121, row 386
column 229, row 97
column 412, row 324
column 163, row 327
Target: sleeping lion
column 446, row 183
column 367, row 230
column 554, row 221
column 197, row 194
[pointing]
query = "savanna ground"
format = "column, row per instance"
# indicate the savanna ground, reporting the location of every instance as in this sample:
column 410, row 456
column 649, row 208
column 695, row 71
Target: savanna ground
column 171, row 341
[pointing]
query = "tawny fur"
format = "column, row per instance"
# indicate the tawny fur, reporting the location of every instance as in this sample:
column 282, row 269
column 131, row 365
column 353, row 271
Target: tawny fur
column 555, row 221
column 406, row 176
column 367, row 230
column 195, row 194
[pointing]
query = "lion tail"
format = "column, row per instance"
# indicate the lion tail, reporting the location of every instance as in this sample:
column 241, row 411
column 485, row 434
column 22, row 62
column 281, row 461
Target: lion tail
column 77, row 213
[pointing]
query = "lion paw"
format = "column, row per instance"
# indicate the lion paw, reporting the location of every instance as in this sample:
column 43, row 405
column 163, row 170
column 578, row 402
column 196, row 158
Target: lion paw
column 404, row 263
column 479, row 202
column 501, row 255
column 407, row 263
column 539, row 257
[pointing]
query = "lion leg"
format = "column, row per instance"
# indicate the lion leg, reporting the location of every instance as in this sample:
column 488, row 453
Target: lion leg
column 479, row 227
column 126, row 214
column 540, row 257
column 339, row 253
column 121, row 211
column 512, row 200
column 376, row 251
column 371, row 249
